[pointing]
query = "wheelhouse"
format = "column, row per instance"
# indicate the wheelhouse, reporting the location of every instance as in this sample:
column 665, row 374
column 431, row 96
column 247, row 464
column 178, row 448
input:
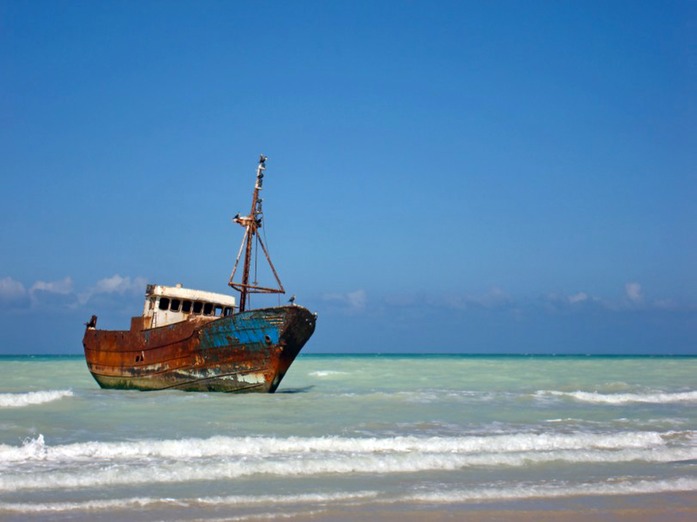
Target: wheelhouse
column 172, row 304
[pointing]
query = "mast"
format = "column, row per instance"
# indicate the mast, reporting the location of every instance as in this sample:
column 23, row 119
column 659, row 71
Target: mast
column 252, row 223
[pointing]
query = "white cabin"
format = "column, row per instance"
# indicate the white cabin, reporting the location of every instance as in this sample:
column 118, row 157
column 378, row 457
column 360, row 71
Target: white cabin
column 172, row 304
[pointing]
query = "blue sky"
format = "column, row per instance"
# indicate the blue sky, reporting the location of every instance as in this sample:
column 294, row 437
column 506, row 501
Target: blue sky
column 476, row 177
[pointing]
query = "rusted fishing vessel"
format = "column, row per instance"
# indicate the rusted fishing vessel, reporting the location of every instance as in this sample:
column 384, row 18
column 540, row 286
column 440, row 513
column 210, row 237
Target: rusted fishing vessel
column 203, row 341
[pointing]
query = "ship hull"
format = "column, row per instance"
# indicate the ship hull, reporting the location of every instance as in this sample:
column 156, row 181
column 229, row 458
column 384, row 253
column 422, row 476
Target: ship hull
column 247, row 352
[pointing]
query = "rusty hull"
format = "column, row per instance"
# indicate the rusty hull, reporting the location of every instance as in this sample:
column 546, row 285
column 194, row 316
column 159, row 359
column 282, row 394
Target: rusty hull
column 246, row 352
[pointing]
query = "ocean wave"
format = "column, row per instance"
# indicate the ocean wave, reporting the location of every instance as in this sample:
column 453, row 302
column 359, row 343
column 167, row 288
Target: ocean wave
column 547, row 490
column 20, row 400
column 223, row 446
column 326, row 373
column 90, row 477
column 149, row 502
column 624, row 398
column 82, row 465
column 556, row 491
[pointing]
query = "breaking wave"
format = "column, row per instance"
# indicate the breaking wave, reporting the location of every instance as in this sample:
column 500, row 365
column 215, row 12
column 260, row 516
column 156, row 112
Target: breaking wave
column 227, row 501
column 20, row 400
column 555, row 491
column 82, row 465
column 479, row 494
column 625, row 398
column 326, row 373
column 222, row 446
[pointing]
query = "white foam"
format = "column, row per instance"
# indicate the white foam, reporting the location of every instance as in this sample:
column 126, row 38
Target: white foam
column 175, row 461
column 326, row 373
column 556, row 491
column 182, row 472
column 221, row 446
column 31, row 449
column 20, row 400
column 546, row 490
column 148, row 502
column 90, row 505
column 625, row 398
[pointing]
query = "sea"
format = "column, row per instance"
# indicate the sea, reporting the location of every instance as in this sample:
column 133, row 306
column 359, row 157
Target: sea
column 347, row 431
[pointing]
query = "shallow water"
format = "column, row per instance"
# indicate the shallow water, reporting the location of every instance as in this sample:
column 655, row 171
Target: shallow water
column 346, row 431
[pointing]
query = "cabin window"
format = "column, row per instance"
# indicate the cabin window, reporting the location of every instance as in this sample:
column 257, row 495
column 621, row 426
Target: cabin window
column 198, row 305
column 219, row 310
column 227, row 312
column 176, row 303
column 207, row 308
column 164, row 303
column 186, row 306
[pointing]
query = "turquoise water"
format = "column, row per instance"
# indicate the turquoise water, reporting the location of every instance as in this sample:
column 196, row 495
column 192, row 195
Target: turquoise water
column 346, row 430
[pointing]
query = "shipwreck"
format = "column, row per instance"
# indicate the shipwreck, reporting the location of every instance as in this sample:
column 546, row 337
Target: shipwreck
column 195, row 340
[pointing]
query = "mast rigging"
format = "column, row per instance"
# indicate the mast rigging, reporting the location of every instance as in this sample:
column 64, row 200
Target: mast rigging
column 252, row 223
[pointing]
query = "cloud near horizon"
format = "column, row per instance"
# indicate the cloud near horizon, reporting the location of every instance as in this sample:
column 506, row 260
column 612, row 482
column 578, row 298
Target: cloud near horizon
column 63, row 286
column 15, row 295
column 115, row 284
column 12, row 291
column 633, row 293
column 62, row 292
column 351, row 302
column 632, row 298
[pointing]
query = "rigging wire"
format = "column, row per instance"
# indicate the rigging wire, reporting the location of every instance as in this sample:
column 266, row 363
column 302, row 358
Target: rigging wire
column 266, row 242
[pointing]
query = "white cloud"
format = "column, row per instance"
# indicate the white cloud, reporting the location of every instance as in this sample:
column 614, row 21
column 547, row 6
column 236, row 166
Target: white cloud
column 579, row 297
column 633, row 293
column 62, row 287
column 62, row 293
column 666, row 304
column 494, row 298
column 580, row 301
column 57, row 294
column 633, row 299
column 119, row 285
column 11, row 290
column 357, row 299
column 353, row 301
column 115, row 284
